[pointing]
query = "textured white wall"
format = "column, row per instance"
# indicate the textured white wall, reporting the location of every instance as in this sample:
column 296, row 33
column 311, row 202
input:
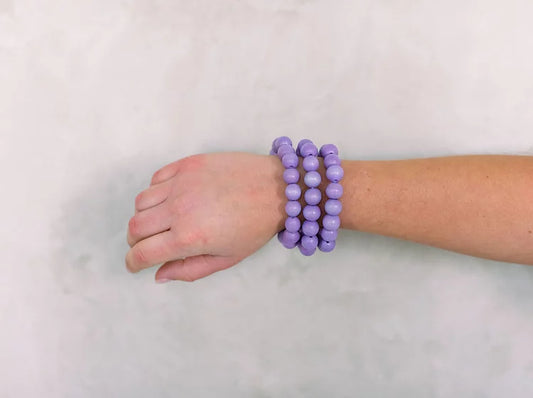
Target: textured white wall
column 95, row 95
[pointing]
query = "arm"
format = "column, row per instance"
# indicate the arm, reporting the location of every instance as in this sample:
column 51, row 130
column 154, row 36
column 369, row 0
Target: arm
column 207, row 212
column 480, row 205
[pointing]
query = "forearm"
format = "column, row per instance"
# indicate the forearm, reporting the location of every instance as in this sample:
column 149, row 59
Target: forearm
column 480, row 205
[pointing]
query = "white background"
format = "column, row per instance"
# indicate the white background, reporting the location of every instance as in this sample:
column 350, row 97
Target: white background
column 97, row 95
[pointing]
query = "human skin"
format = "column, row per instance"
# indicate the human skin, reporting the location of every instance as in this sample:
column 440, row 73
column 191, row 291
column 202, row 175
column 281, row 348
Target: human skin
column 207, row 212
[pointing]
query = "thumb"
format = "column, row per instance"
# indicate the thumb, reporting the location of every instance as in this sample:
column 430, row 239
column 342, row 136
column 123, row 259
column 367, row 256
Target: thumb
column 192, row 268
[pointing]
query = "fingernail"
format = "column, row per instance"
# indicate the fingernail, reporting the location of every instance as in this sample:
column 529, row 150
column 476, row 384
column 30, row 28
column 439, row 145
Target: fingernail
column 162, row 280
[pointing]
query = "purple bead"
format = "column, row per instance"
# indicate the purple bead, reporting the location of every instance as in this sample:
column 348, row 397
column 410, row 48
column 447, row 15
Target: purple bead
column 288, row 239
column 310, row 228
column 334, row 190
column 283, row 150
column 328, row 149
column 292, row 224
column 293, row 191
column 300, row 144
column 331, row 222
column 309, row 242
column 310, row 163
column 280, row 141
column 306, row 252
column 290, row 160
column 311, row 213
column 293, row 208
column 291, row 176
column 272, row 152
column 308, row 149
column 326, row 246
column 331, row 160
column 333, row 207
column 312, row 179
column 312, row 196
column 334, row 173
column 328, row 235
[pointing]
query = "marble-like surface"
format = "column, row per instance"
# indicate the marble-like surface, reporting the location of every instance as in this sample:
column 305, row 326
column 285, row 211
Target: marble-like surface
column 96, row 95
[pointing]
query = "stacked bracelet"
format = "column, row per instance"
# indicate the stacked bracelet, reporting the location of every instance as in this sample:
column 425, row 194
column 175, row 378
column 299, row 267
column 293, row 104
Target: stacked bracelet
column 282, row 147
column 308, row 236
column 331, row 221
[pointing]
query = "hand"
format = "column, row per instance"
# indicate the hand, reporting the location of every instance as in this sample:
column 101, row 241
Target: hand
column 205, row 213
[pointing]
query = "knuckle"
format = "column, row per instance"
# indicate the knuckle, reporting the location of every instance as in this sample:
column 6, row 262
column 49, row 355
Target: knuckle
column 133, row 226
column 138, row 200
column 139, row 256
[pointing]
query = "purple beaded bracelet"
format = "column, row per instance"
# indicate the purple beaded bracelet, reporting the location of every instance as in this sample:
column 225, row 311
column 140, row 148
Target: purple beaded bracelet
column 331, row 221
column 308, row 236
column 282, row 147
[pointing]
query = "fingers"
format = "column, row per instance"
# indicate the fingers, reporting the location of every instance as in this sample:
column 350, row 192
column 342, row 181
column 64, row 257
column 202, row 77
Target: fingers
column 152, row 196
column 192, row 268
column 158, row 249
column 166, row 172
column 147, row 223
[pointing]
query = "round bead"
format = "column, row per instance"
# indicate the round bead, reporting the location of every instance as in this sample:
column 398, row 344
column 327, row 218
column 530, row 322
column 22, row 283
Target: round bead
column 290, row 160
column 331, row 222
column 331, row 160
column 308, row 149
column 333, row 207
column 312, row 196
column 309, row 242
column 310, row 163
column 328, row 149
column 280, row 141
column 310, row 228
column 283, row 150
column 326, row 246
column 300, row 144
column 334, row 190
column 306, row 252
column 272, row 152
column 328, row 235
column 334, row 173
column 311, row 213
column 293, row 208
column 291, row 176
column 288, row 239
column 292, row 224
column 312, row 178
column 293, row 191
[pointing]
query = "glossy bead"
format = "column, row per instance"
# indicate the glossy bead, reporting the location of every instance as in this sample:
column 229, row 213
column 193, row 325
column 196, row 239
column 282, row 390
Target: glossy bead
column 328, row 235
column 308, row 149
column 331, row 222
column 291, row 176
column 331, row 160
column 312, row 196
column 292, row 224
column 310, row 228
column 290, row 160
column 334, row 190
column 293, row 208
column 310, row 163
column 309, row 242
column 333, row 207
column 300, row 144
column 311, row 213
column 334, row 173
column 293, row 191
column 326, row 246
column 312, row 179
column 306, row 252
column 328, row 149
column 288, row 239
column 280, row 141
column 283, row 150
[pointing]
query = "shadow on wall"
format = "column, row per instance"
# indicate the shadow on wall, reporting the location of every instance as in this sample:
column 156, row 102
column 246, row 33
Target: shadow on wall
column 93, row 225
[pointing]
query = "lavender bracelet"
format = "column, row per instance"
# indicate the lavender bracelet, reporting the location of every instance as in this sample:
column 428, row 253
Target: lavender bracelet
column 282, row 147
column 312, row 196
column 333, row 207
